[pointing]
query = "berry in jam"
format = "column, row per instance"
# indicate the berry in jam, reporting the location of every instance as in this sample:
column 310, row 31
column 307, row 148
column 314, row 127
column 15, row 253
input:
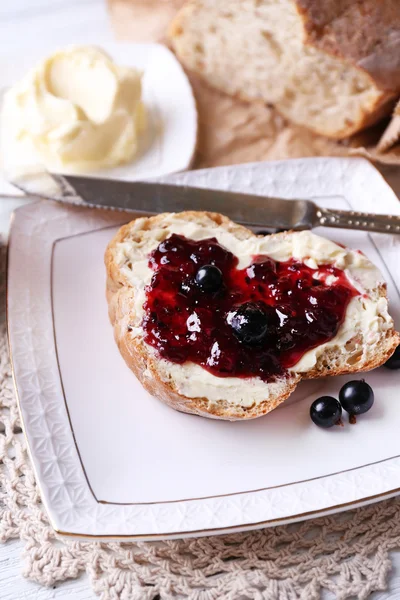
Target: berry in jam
column 259, row 321
column 209, row 278
column 250, row 322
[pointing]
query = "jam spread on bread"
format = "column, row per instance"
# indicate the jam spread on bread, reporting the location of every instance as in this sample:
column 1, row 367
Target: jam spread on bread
column 251, row 322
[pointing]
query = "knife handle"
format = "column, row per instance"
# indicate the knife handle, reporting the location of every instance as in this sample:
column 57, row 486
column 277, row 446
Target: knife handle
column 351, row 219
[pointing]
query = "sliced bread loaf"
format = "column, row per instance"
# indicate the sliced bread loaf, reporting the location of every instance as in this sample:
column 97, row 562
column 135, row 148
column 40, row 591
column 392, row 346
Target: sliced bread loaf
column 365, row 339
column 332, row 66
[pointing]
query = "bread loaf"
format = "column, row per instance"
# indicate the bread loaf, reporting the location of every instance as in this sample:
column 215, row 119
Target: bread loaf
column 332, row 66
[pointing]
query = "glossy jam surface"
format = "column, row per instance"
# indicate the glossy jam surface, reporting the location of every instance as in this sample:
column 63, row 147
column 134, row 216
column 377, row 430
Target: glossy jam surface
column 185, row 323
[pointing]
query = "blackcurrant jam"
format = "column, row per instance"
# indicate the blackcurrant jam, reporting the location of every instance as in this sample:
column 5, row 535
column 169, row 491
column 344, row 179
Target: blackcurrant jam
column 298, row 308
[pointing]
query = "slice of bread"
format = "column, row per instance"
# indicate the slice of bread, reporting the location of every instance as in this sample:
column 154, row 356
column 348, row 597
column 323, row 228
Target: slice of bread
column 333, row 67
column 365, row 340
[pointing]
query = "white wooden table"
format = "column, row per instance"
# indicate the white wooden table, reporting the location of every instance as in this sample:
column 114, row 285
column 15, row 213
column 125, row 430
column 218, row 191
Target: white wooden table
column 60, row 22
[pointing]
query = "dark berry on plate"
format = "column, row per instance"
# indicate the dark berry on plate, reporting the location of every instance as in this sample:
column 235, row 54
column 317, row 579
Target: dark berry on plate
column 249, row 322
column 394, row 361
column 209, row 278
column 325, row 411
column 356, row 397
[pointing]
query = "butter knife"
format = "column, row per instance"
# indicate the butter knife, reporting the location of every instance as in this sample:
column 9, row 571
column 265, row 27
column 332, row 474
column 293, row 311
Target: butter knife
column 248, row 209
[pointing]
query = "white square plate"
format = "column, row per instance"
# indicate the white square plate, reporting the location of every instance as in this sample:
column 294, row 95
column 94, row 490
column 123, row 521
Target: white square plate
column 113, row 461
column 169, row 142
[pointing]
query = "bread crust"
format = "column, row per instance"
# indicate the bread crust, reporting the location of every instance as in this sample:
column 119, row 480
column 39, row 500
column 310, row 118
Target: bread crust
column 363, row 34
column 366, row 33
column 142, row 359
column 391, row 341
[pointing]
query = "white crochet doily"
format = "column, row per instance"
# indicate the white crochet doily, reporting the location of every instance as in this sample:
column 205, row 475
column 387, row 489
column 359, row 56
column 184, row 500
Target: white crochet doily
column 347, row 554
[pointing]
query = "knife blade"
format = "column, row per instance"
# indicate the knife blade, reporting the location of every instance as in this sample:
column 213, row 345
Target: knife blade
column 153, row 197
